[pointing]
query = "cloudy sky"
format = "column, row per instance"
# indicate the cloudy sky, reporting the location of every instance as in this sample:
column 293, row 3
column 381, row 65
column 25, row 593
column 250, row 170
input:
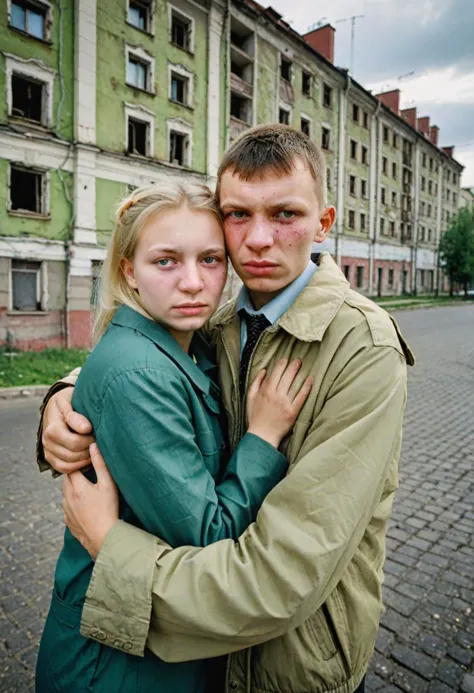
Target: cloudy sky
column 433, row 39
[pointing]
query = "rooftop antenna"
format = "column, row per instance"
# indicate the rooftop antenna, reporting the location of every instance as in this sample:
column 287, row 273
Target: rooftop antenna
column 352, row 20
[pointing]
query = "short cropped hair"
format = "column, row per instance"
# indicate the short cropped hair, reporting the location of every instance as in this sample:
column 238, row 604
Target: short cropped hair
column 274, row 147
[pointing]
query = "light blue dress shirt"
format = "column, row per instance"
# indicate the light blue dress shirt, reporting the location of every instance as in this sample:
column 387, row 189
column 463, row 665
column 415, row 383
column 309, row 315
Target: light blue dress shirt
column 275, row 308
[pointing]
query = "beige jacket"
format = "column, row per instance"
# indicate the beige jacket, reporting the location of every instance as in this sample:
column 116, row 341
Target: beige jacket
column 297, row 599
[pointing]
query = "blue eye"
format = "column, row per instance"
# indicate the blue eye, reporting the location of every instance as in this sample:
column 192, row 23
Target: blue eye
column 285, row 214
column 210, row 260
column 163, row 262
column 238, row 214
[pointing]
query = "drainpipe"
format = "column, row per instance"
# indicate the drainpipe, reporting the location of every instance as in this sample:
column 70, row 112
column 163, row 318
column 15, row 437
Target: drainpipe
column 374, row 191
column 341, row 168
column 439, row 221
column 416, row 219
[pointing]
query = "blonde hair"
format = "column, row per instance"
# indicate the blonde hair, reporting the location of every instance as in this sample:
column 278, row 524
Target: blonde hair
column 274, row 147
column 132, row 215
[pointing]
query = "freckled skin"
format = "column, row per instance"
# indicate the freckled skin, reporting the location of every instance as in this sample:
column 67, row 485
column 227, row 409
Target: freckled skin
column 180, row 258
column 273, row 218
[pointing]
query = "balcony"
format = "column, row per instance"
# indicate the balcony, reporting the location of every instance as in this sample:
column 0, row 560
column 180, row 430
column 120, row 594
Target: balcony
column 287, row 94
column 240, row 86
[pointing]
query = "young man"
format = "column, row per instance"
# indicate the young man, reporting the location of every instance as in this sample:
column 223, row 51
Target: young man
column 297, row 599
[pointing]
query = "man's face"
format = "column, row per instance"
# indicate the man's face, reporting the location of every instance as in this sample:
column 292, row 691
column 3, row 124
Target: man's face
column 270, row 224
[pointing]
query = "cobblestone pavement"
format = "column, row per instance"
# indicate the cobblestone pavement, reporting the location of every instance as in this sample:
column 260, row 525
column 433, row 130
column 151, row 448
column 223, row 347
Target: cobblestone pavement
column 426, row 640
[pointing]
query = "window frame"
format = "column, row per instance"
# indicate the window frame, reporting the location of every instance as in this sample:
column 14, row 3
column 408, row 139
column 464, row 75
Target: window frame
column 185, row 74
column 283, row 108
column 145, row 58
column 328, row 87
column 309, row 76
column 41, row 285
column 183, row 17
column 45, row 192
column 306, row 119
column 150, row 16
column 35, row 71
column 290, row 63
column 326, row 129
column 180, row 127
column 48, row 19
column 140, row 113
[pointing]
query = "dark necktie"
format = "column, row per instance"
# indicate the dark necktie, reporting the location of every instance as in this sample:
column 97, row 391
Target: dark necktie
column 256, row 324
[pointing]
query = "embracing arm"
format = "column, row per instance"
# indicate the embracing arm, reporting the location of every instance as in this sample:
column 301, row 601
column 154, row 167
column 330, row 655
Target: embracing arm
column 228, row 596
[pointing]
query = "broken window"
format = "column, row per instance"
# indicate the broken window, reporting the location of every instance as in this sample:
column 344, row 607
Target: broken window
column 355, row 113
column 351, row 219
column 29, row 17
column 284, row 116
column 137, row 137
column 305, row 126
column 26, row 285
column 326, row 139
column 178, row 148
column 179, row 88
column 353, row 149
column 285, row 69
column 352, row 185
column 327, row 96
column 26, row 190
column 27, row 98
column 306, row 83
column 181, row 31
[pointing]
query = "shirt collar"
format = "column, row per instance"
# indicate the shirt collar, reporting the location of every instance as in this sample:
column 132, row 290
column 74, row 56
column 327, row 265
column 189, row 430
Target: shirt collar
column 275, row 308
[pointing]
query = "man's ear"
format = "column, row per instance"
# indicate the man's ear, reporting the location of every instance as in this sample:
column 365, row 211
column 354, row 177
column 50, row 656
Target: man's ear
column 326, row 222
column 129, row 273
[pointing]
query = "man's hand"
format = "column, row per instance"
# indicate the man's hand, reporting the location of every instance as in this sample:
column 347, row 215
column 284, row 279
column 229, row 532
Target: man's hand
column 90, row 509
column 66, row 434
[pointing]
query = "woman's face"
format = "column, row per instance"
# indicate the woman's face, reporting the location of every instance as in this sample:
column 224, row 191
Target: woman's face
column 179, row 269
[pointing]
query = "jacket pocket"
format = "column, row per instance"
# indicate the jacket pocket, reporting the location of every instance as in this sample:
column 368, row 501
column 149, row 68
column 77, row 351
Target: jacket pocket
column 324, row 633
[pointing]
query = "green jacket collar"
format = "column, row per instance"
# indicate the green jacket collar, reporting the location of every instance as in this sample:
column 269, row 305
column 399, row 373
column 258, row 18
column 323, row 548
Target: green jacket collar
column 165, row 342
column 312, row 312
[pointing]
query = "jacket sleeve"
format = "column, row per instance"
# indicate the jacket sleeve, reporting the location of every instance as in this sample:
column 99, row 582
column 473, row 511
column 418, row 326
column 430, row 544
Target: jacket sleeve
column 68, row 381
column 231, row 595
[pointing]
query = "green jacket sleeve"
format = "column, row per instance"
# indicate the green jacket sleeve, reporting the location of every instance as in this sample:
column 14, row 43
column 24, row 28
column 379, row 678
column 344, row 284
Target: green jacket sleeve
column 228, row 596
column 146, row 435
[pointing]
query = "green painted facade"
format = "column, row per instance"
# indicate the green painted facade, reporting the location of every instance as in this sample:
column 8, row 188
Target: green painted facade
column 109, row 193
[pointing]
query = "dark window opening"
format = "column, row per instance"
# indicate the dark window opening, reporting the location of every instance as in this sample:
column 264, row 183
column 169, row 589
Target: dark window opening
column 326, row 139
column 239, row 107
column 362, row 222
column 390, row 278
column 285, row 69
column 177, row 148
column 366, row 120
column 28, row 17
column 27, row 98
column 347, row 271
column 179, row 89
column 353, row 149
column 352, row 185
column 360, row 277
column 363, row 188
column 351, row 219
column 181, row 31
column 137, row 136
column 327, row 96
column 355, row 113
column 305, row 126
column 306, row 83
column 25, row 280
column 284, row 116
column 365, row 154
column 26, row 190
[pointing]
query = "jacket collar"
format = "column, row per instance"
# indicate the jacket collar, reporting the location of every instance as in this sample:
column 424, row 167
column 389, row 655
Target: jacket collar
column 165, row 342
column 312, row 312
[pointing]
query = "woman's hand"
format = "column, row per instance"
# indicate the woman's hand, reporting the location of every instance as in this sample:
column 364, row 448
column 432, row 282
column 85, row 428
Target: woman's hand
column 273, row 402
column 90, row 509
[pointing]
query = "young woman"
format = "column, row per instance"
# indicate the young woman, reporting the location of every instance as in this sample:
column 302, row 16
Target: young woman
column 150, row 391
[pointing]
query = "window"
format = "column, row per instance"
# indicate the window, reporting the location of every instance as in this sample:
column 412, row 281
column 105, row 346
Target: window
column 390, row 278
column 422, row 233
column 430, row 187
column 181, row 32
column 385, row 133
column 383, row 195
column 177, row 148
column 384, row 165
column 423, row 183
column 448, row 195
column 27, row 190
column 240, row 108
column 394, row 199
column 32, row 18
column 139, row 14
column 429, row 210
column 179, row 89
column 423, row 160
column 26, row 285
column 137, row 137
column 96, row 269
column 382, row 226
column 353, row 149
column 306, row 126
column 422, row 209
column 395, row 140
column 355, row 113
column 284, row 116
column 326, row 139
column 394, row 170
column 306, row 83
column 365, row 155
column 366, row 120
column 347, row 272
column 455, row 179
column 285, row 69
column 352, row 185
column 27, row 98
column 362, row 222
column 29, row 88
column 140, row 69
column 448, row 217
column 431, row 164
column 363, row 188
column 360, row 276
column 429, row 235
column 327, row 96
column 436, row 188
column 392, row 228
column 455, row 198
column 351, row 219
column 448, row 175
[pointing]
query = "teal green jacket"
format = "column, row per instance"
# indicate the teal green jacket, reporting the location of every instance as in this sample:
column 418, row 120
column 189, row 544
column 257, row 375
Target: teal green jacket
column 157, row 419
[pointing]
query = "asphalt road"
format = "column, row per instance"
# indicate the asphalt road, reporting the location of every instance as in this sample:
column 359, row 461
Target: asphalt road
column 426, row 640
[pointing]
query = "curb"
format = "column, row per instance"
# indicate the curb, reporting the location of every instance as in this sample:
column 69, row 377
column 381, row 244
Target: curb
column 425, row 306
column 23, row 391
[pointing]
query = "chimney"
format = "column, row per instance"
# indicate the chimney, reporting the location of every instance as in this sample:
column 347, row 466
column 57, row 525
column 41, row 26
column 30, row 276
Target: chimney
column 409, row 115
column 434, row 134
column 322, row 40
column 449, row 151
column 391, row 99
column 424, row 126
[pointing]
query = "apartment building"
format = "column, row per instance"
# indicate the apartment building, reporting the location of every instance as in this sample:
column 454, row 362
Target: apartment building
column 102, row 97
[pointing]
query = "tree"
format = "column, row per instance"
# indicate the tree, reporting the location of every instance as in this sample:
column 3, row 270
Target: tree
column 456, row 250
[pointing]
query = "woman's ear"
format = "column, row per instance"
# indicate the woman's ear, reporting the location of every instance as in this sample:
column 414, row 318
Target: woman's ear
column 129, row 273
